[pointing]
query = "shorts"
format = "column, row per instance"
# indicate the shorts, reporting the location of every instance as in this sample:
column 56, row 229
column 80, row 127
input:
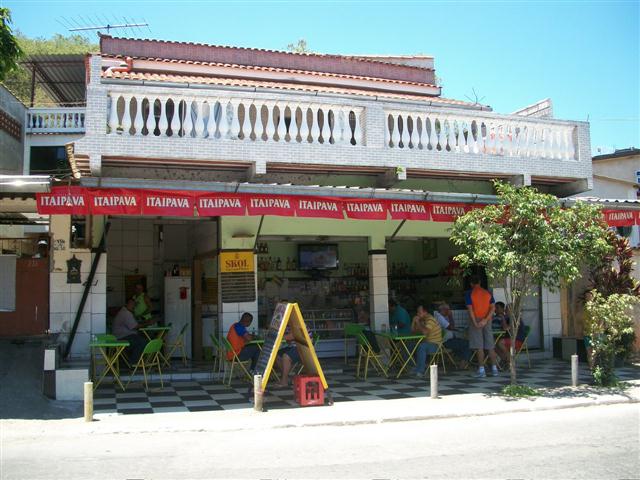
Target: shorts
column 507, row 344
column 481, row 337
column 292, row 353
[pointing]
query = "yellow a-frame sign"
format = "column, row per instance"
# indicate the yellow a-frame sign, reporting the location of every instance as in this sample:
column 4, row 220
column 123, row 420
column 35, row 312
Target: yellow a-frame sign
column 288, row 315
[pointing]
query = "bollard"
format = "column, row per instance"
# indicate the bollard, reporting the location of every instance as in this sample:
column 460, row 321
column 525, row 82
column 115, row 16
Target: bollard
column 574, row 370
column 433, row 369
column 257, row 393
column 88, row 401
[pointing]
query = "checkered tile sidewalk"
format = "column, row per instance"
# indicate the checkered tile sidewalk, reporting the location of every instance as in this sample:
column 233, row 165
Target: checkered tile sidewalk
column 205, row 395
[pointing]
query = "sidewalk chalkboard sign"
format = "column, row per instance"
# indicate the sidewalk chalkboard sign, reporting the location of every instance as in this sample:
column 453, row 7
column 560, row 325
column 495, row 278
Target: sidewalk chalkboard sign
column 288, row 314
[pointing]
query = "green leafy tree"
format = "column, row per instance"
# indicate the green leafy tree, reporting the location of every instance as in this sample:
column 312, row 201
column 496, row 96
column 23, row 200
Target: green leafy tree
column 608, row 323
column 528, row 239
column 10, row 51
column 299, row 47
column 19, row 80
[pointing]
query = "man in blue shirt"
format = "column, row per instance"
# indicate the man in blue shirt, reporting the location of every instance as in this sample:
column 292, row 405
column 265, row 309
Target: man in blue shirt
column 399, row 317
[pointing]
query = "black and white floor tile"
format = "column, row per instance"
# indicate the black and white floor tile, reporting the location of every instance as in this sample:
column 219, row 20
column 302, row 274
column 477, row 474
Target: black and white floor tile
column 207, row 395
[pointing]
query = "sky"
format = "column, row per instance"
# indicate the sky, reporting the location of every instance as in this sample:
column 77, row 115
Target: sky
column 584, row 55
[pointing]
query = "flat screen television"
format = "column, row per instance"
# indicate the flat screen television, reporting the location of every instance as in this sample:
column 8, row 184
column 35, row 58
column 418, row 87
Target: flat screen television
column 318, row 257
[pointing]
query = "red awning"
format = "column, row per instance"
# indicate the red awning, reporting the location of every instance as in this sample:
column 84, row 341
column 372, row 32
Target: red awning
column 124, row 201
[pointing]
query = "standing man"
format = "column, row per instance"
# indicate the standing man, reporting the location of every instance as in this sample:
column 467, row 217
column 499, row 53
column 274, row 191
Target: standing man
column 481, row 305
column 399, row 317
column 238, row 337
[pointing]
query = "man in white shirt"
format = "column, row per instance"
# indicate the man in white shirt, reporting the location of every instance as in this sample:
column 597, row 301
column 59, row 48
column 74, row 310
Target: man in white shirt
column 459, row 346
column 125, row 327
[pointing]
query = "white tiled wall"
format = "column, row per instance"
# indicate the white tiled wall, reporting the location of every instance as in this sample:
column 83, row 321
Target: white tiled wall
column 130, row 248
column 551, row 317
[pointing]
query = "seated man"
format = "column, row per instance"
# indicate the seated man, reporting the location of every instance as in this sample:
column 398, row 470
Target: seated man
column 425, row 324
column 287, row 357
column 238, row 337
column 504, row 344
column 399, row 318
column 459, row 346
column 125, row 327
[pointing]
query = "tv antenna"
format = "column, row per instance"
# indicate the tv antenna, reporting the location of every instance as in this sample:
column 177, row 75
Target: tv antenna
column 96, row 23
column 475, row 100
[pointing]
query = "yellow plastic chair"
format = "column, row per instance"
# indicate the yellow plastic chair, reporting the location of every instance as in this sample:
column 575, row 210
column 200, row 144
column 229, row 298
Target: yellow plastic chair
column 367, row 355
column 149, row 360
column 441, row 354
column 178, row 344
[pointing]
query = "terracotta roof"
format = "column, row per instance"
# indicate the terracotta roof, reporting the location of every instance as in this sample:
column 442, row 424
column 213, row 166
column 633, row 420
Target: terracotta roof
column 269, row 69
column 360, row 58
column 236, row 82
column 268, row 58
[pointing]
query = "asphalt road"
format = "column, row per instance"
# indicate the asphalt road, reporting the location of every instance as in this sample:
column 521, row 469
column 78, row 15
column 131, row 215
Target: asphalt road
column 593, row 442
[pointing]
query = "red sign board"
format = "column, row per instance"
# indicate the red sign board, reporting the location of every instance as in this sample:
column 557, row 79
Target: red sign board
column 621, row 218
column 216, row 205
column 168, row 203
column 448, row 212
column 116, row 201
column 366, row 209
column 271, row 205
column 319, row 207
column 63, row 201
column 403, row 210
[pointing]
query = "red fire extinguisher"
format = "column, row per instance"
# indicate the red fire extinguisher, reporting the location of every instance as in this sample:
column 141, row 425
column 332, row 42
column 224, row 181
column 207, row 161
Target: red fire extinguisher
column 183, row 293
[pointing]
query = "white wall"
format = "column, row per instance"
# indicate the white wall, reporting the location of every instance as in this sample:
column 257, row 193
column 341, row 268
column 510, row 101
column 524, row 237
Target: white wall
column 64, row 298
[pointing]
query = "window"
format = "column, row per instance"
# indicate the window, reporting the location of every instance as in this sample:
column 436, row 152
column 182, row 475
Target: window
column 49, row 161
column 8, row 283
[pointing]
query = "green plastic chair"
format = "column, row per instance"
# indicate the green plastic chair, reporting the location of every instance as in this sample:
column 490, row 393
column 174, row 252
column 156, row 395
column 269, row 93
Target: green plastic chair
column 351, row 330
column 367, row 354
column 225, row 347
column 149, row 359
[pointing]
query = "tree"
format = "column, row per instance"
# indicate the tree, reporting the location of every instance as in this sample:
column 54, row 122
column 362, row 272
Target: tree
column 528, row 239
column 299, row 47
column 10, row 51
column 608, row 323
column 19, row 80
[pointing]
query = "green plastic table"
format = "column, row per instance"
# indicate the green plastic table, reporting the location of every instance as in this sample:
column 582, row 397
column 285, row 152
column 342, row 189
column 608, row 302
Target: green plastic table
column 110, row 351
column 159, row 332
column 398, row 343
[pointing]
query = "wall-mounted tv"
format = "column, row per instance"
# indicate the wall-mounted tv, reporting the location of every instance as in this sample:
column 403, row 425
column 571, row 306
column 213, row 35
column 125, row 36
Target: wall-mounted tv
column 318, row 256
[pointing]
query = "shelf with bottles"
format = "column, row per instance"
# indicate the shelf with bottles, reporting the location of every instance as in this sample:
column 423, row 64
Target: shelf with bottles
column 329, row 324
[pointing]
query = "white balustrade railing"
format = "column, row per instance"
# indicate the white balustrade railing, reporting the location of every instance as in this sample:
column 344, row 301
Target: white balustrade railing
column 223, row 118
column 478, row 135
column 55, row 120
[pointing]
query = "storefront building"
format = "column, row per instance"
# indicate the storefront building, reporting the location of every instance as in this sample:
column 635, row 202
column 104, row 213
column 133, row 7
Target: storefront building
column 231, row 178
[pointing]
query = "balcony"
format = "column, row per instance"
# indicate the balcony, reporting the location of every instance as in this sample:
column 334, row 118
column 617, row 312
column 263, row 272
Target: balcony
column 277, row 131
column 58, row 120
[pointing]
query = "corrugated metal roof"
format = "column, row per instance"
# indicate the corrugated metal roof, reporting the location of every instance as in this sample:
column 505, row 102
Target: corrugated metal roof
column 64, row 77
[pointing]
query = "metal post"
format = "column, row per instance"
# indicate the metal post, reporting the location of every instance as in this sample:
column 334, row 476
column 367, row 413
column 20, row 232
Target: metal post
column 88, row 401
column 433, row 369
column 574, row 370
column 257, row 393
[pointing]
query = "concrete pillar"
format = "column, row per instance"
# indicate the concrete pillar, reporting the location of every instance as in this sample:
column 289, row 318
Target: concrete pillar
column 378, row 288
